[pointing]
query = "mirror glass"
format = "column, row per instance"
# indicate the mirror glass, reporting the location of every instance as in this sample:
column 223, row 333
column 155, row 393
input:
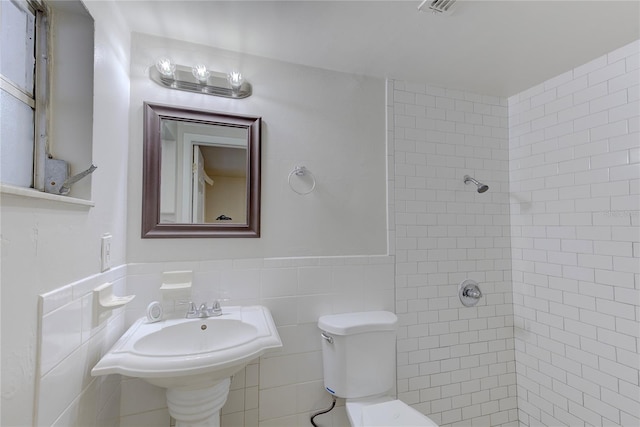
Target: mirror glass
column 204, row 175
column 201, row 173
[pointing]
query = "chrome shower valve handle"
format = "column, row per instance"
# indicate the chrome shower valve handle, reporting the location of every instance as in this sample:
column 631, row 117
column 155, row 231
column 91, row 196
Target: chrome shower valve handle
column 469, row 293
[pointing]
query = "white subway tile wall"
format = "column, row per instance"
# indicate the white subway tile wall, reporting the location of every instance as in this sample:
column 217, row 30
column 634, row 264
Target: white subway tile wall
column 279, row 389
column 70, row 344
column 455, row 363
column 575, row 226
column 285, row 387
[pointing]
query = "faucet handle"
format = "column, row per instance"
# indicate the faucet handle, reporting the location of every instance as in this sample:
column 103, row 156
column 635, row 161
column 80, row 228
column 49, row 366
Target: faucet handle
column 192, row 307
column 216, row 309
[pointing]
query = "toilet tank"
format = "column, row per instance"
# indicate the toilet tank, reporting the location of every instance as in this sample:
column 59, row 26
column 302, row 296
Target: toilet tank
column 359, row 353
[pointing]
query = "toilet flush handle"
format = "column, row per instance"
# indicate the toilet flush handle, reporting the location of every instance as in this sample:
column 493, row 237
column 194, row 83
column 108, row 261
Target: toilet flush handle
column 326, row 337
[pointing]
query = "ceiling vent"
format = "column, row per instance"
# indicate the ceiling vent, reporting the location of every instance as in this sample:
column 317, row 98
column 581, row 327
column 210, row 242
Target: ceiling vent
column 437, row 7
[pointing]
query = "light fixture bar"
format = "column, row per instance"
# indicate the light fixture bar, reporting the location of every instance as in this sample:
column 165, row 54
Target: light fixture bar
column 216, row 83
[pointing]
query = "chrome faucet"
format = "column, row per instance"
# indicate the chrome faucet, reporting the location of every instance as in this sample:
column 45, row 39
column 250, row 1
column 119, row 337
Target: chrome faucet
column 216, row 309
column 203, row 311
column 192, row 311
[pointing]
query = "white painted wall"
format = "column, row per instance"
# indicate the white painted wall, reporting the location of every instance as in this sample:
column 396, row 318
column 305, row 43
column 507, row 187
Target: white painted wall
column 575, row 223
column 332, row 123
column 54, row 249
column 71, row 91
column 47, row 244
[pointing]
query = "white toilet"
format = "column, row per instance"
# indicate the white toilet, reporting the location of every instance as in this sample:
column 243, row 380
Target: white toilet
column 358, row 355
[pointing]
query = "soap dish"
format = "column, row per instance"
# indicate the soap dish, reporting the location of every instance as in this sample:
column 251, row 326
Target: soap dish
column 104, row 302
column 176, row 280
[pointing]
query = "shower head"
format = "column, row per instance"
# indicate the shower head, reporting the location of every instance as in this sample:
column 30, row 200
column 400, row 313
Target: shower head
column 481, row 187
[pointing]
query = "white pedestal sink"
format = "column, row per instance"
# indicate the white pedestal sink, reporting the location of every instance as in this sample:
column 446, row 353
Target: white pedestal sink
column 193, row 358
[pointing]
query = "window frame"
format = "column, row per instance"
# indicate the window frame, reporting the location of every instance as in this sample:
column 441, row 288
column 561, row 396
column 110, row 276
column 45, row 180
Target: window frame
column 42, row 70
column 38, row 100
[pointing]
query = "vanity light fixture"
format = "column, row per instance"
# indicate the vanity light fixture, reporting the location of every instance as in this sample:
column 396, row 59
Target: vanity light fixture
column 201, row 73
column 199, row 79
column 235, row 80
column 166, row 67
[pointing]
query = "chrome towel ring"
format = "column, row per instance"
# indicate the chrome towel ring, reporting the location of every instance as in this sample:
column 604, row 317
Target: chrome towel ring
column 302, row 171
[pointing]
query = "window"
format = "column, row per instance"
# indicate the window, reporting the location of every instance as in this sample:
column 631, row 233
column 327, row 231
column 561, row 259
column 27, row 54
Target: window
column 22, row 92
column 46, row 66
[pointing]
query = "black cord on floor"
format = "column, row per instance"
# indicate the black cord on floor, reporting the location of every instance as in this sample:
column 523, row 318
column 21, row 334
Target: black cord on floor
column 323, row 412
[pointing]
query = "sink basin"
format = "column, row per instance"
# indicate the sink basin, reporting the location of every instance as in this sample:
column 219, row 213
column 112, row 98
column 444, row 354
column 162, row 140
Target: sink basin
column 193, row 358
column 192, row 353
column 189, row 337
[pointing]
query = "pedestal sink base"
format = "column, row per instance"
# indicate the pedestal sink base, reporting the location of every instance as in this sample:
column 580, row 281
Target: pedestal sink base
column 193, row 358
column 198, row 407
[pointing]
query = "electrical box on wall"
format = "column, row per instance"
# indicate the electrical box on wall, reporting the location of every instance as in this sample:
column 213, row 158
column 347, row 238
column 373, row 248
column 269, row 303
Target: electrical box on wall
column 105, row 253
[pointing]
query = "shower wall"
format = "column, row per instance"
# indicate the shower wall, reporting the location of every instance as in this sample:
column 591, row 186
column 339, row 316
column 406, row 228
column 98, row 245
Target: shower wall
column 455, row 363
column 575, row 178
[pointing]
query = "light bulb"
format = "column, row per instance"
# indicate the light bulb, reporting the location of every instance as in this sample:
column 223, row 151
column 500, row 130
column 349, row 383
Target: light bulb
column 200, row 72
column 235, row 80
column 165, row 66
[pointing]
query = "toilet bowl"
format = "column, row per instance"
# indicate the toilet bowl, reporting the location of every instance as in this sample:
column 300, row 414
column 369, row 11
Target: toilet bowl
column 358, row 357
column 385, row 412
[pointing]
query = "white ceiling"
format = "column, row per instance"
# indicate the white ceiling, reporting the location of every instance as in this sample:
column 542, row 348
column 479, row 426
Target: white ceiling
column 488, row 47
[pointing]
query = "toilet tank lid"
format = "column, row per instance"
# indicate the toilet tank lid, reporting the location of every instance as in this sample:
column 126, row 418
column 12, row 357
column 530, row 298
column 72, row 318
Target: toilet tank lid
column 356, row 323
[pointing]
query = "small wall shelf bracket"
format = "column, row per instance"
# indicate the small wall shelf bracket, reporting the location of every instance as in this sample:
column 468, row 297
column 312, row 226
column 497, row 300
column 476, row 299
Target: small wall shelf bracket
column 104, row 302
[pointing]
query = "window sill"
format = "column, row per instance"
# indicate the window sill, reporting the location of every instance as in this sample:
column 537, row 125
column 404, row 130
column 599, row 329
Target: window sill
column 35, row 194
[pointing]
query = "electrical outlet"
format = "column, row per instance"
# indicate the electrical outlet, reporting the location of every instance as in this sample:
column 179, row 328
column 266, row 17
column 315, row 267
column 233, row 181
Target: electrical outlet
column 105, row 253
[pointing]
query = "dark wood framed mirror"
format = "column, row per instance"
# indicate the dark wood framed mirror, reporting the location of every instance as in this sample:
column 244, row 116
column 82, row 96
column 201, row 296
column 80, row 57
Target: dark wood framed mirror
column 201, row 173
